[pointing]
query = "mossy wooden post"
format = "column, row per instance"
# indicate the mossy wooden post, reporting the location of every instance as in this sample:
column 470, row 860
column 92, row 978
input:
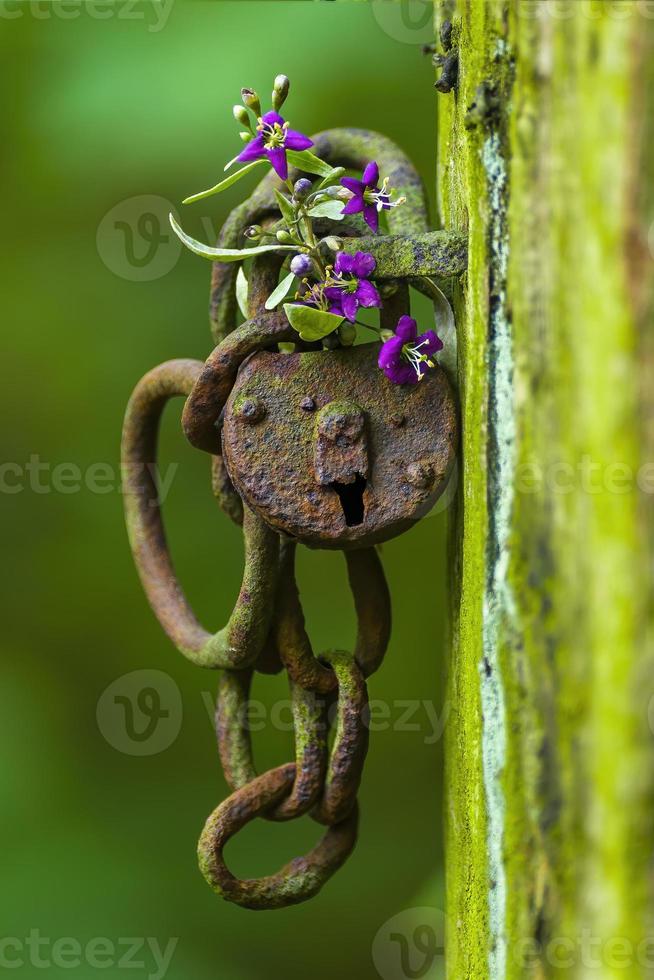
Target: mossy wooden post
column 545, row 158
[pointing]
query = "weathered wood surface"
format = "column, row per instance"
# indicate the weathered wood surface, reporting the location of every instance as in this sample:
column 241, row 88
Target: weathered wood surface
column 550, row 749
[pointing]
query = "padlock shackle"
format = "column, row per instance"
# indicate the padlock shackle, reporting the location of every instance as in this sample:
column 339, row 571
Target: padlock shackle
column 203, row 408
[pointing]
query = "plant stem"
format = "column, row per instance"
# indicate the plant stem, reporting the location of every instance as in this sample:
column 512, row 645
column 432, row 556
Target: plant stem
column 376, row 330
column 305, row 229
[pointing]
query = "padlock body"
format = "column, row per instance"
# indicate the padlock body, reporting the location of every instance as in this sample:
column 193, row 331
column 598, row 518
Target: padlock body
column 330, row 452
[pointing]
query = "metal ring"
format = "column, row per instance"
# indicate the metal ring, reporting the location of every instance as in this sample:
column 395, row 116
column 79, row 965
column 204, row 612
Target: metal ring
column 350, row 743
column 235, row 744
column 372, row 604
column 241, row 641
column 301, row 878
column 264, row 274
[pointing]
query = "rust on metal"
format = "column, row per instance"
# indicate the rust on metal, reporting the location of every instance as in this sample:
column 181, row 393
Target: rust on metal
column 202, row 412
column 341, row 447
column 235, row 744
column 280, row 465
column 350, row 743
column 373, row 609
column 240, row 642
column 301, row 878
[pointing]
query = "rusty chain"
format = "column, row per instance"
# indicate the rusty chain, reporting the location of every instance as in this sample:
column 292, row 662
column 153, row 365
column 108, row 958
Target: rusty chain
column 266, row 631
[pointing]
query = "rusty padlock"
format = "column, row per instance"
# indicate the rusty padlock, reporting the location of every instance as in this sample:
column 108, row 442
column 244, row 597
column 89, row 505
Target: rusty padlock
column 322, row 446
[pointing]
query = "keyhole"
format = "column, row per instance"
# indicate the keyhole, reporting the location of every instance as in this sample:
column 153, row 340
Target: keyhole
column 351, row 498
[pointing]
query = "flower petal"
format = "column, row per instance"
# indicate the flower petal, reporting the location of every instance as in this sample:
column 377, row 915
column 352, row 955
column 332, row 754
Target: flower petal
column 349, row 306
column 364, row 264
column 432, row 343
column 296, row 141
column 272, row 117
column 406, row 329
column 354, row 185
column 371, row 216
column 390, row 353
column 404, row 374
column 277, row 157
column 253, row 151
column 371, row 174
column 333, row 293
column 353, row 206
column 367, row 295
column 344, row 263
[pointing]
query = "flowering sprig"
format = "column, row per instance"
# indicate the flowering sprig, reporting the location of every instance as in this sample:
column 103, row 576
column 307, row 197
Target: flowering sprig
column 329, row 285
column 345, row 288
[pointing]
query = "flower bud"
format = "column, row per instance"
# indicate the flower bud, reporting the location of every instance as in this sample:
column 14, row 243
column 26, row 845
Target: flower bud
column 386, row 334
column 246, row 137
column 300, row 265
column 250, row 99
column 242, row 116
column 284, row 238
column 338, row 193
column 254, row 232
column 347, row 334
column 281, row 86
column 301, row 188
column 334, row 177
column 333, row 243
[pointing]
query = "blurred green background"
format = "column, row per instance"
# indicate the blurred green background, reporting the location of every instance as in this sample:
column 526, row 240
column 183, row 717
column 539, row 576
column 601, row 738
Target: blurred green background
column 100, row 842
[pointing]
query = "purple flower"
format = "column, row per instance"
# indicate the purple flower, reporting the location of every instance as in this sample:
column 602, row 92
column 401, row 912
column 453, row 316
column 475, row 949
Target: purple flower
column 368, row 197
column 315, row 295
column 406, row 357
column 274, row 139
column 348, row 288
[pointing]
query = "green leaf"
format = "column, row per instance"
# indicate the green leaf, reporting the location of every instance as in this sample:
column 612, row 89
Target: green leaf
column 242, row 289
column 328, row 209
column 233, row 161
column 280, row 292
column 286, row 208
column 310, row 323
column 309, row 162
column 225, row 254
column 224, row 184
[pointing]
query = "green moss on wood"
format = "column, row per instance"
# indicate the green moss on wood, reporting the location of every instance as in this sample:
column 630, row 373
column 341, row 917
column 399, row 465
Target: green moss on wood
column 549, row 752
